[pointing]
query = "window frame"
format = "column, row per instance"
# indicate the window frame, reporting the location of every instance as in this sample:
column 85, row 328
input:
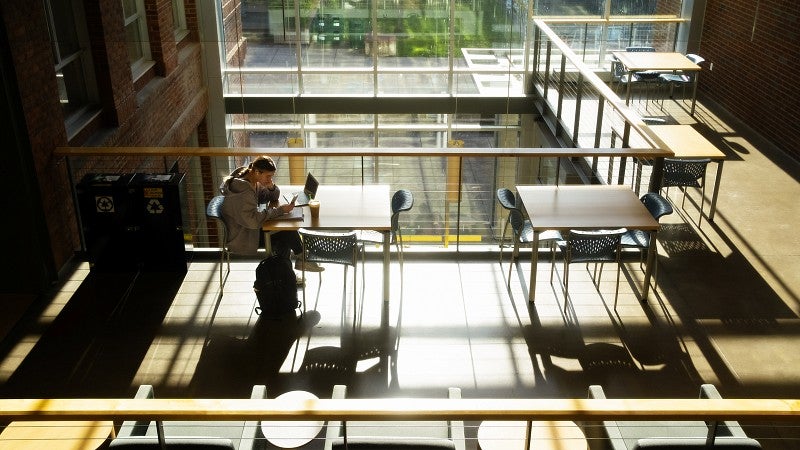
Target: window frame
column 143, row 63
column 79, row 60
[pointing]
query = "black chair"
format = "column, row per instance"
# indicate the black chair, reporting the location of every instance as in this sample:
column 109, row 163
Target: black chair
column 210, row 435
column 684, row 173
column 640, row 239
column 402, row 200
column 649, row 77
column 666, row 434
column 620, row 76
column 332, row 248
column 507, row 200
column 596, row 246
column 214, row 211
column 523, row 235
column 395, row 435
column 673, row 80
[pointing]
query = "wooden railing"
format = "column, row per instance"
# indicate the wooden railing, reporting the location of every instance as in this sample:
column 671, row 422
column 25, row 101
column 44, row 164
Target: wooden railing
column 781, row 410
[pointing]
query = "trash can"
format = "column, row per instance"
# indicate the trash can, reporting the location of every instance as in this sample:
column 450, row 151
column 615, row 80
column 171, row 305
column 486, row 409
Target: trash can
column 108, row 221
column 164, row 243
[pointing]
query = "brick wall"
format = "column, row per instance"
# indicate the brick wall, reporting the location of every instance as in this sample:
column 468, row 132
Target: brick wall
column 755, row 51
column 168, row 108
column 33, row 64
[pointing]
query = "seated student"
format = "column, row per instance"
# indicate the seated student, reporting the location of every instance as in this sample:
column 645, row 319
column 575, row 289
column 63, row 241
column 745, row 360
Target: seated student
column 244, row 190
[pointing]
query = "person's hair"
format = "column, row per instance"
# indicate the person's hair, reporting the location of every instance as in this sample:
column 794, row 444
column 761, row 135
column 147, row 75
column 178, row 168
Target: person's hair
column 261, row 163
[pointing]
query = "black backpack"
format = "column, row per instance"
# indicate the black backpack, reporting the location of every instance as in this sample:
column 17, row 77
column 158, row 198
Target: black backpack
column 275, row 287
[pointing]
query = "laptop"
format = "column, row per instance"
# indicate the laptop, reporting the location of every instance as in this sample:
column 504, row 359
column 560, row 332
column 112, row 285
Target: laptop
column 309, row 191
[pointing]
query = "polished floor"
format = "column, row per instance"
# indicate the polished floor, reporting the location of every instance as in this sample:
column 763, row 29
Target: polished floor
column 726, row 310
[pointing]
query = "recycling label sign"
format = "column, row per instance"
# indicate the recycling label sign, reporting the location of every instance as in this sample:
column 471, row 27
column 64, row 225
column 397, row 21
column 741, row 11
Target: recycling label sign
column 154, row 206
column 104, row 203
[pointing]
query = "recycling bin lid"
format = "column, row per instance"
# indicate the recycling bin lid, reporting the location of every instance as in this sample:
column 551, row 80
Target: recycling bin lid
column 159, row 178
column 106, row 179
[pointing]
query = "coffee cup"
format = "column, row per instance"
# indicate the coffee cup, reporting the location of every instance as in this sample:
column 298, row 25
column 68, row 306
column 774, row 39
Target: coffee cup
column 313, row 205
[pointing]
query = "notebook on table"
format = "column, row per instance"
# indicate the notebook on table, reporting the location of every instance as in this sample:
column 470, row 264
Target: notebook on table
column 309, row 191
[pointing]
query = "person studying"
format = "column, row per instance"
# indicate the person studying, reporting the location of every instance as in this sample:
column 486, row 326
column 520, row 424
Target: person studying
column 245, row 190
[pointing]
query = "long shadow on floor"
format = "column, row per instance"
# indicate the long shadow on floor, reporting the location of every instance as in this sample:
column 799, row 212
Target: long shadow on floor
column 96, row 344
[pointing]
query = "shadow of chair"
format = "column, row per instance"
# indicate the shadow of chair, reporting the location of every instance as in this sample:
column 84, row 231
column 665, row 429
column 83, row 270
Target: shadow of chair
column 522, row 233
column 333, row 248
column 402, row 200
column 199, row 435
column 395, row 435
column 214, row 211
column 658, row 207
column 597, row 246
column 667, row 435
column 685, row 173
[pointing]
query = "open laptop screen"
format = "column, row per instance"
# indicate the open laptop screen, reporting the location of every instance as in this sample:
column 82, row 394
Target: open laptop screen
column 309, row 191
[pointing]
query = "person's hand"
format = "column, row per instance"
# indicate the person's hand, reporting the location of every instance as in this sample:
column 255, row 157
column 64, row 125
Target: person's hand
column 287, row 208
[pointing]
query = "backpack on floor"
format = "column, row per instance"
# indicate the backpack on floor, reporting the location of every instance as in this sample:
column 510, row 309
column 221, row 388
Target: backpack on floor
column 275, row 287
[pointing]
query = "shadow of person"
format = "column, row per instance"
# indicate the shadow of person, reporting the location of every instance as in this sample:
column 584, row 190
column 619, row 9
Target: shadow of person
column 229, row 366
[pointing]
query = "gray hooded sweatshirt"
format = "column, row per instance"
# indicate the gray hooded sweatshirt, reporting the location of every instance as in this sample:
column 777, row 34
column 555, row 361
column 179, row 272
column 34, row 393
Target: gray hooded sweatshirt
column 242, row 214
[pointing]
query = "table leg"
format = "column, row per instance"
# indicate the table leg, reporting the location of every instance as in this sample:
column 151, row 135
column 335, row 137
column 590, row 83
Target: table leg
column 386, row 245
column 628, row 94
column 694, row 92
column 717, row 180
column 534, row 263
column 651, row 259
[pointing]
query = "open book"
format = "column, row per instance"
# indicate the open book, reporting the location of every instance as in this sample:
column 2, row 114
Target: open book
column 294, row 214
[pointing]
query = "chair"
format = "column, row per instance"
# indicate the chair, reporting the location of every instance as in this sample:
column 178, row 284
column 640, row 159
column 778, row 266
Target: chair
column 214, row 211
column 523, row 235
column 200, row 435
column 666, row 435
column 685, row 173
column 332, row 248
column 395, row 435
column 620, row 76
column 681, row 79
column 508, row 200
column 402, row 200
column 640, row 239
column 597, row 246
column 645, row 76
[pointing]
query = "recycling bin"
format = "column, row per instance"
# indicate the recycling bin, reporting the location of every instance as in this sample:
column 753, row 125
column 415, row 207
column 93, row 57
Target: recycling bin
column 164, row 241
column 108, row 221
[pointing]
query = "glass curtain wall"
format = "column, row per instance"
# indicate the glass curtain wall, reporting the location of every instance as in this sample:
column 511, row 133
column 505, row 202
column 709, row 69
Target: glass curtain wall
column 350, row 49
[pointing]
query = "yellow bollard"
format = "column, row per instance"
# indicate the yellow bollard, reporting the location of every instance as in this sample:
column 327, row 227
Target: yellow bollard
column 297, row 164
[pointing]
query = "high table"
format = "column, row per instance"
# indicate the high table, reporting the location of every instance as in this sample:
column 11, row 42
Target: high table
column 643, row 61
column 55, row 435
column 585, row 207
column 687, row 143
column 366, row 207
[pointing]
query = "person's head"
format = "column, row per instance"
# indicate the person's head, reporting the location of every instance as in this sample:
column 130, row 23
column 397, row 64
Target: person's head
column 261, row 170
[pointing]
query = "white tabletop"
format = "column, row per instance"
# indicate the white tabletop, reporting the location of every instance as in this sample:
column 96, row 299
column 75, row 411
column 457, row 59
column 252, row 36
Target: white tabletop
column 585, row 207
column 366, row 207
column 635, row 61
column 292, row 434
column 686, row 142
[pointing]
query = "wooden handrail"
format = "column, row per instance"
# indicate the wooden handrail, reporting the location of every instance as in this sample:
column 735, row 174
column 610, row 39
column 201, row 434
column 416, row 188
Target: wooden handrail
column 400, row 409
column 367, row 151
